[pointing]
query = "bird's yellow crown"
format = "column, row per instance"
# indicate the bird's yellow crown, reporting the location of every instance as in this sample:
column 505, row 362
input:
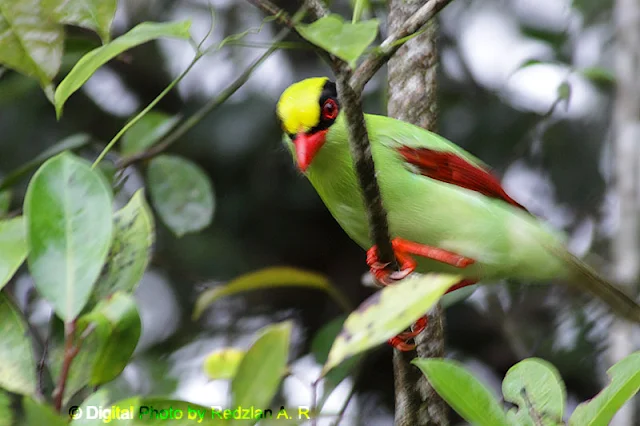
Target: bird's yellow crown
column 299, row 105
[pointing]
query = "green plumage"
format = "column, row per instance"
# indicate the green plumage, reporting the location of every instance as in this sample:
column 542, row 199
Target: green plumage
column 505, row 241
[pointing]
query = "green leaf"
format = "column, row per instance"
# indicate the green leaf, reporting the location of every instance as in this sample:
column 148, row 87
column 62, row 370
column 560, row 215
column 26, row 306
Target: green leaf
column 599, row 76
column 262, row 368
column 625, row 383
column 93, row 60
column 84, row 415
column 95, row 15
column 345, row 40
column 463, row 392
column 68, row 144
column 536, row 388
column 13, row 247
column 121, row 315
column 387, row 313
column 69, row 229
column 145, row 133
column 17, row 362
column 130, row 250
column 222, row 364
column 320, row 347
column 6, row 410
column 40, row 414
column 269, row 278
column 181, row 193
column 30, row 42
column 5, row 202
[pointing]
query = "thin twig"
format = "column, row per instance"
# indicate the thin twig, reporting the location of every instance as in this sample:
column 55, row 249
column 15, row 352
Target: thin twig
column 209, row 106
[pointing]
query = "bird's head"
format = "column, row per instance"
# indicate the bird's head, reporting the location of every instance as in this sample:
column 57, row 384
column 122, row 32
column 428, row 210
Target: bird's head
column 306, row 110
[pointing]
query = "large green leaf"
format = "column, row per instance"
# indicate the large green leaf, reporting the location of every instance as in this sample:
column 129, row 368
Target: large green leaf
column 95, row 15
column 268, row 278
column 13, row 247
column 181, row 193
column 463, row 392
column 38, row 414
column 69, row 228
column 625, row 383
column 145, row 133
column 345, row 40
column 120, row 314
column 130, row 250
column 17, row 362
column 262, row 368
column 536, row 388
column 387, row 313
column 93, row 60
column 30, row 42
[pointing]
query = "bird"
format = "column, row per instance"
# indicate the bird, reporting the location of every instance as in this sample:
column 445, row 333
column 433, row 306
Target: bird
column 447, row 211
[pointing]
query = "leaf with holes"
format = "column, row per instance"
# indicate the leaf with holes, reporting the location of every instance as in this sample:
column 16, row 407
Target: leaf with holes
column 269, row 278
column 387, row 313
column 95, row 15
column 536, row 388
column 17, row 362
column 130, row 251
column 472, row 400
column 345, row 40
column 13, row 247
column 93, row 60
column 181, row 193
column 146, row 132
column 262, row 368
column 30, row 42
column 69, row 228
column 625, row 384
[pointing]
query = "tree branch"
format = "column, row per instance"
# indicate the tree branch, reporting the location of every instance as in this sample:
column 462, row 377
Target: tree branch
column 412, row 98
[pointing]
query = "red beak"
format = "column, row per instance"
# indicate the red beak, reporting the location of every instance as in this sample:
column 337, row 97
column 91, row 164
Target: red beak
column 307, row 146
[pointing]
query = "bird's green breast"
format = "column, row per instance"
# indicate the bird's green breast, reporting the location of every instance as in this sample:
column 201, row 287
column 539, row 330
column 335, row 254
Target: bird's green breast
column 504, row 241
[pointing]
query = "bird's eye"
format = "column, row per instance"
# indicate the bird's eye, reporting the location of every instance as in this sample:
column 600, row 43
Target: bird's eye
column 329, row 109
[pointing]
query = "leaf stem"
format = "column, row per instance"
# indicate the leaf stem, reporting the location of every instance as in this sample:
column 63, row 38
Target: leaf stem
column 70, row 352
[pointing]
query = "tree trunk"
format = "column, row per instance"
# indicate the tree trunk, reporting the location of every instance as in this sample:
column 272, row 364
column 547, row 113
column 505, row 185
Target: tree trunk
column 626, row 130
column 412, row 98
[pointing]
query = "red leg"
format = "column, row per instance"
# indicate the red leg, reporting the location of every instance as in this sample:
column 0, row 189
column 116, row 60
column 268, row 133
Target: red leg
column 402, row 250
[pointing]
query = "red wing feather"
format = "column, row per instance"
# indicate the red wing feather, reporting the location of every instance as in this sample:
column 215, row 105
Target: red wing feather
column 450, row 168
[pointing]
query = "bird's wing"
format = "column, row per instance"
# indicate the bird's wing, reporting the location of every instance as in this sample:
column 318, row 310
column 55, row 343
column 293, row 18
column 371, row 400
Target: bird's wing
column 451, row 168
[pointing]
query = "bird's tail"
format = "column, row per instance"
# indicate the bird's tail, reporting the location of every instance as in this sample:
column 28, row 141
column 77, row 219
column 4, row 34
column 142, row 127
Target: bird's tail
column 583, row 276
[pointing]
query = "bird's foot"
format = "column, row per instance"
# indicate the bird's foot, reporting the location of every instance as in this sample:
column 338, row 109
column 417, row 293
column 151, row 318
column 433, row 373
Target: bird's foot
column 403, row 249
column 400, row 342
